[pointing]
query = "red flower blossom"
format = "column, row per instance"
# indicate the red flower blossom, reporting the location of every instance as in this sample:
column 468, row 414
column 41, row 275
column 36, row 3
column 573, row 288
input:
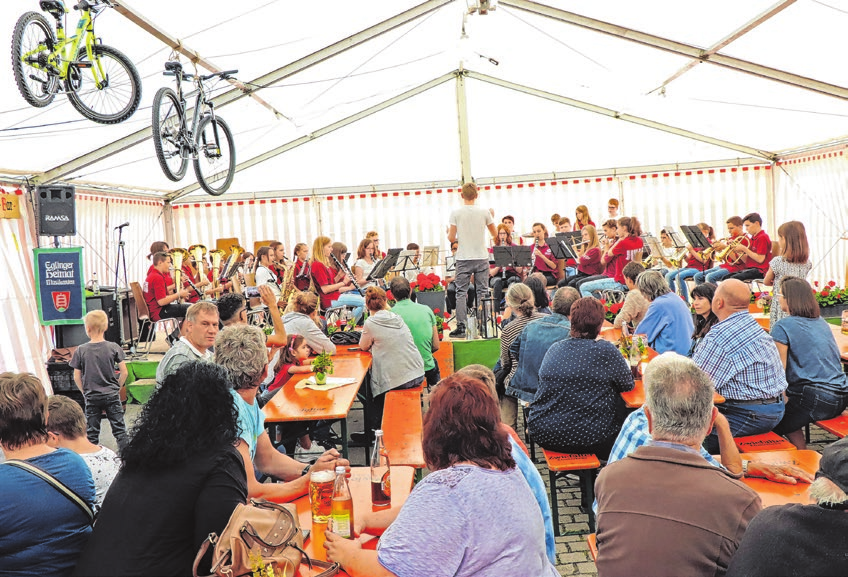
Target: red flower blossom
column 816, row 283
column 447, row 315
column 390, row 296
column 437, row 310
column 339, row 323
column 831, row 284
column 825, row 293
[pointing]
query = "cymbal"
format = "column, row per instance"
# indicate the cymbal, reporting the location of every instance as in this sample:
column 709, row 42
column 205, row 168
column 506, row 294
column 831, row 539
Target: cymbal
column 528, row 235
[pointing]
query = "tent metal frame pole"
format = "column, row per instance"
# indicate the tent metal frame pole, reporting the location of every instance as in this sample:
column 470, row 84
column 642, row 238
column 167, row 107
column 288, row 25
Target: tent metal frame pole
column 176, row 44
column 68, row 168
column 733, row 36
column 462, row 125
column 679, row 48
column 622, row 116
column 324, row 130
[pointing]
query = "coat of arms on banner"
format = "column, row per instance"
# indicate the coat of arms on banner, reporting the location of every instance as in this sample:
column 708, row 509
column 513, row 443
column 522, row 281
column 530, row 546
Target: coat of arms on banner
column 61, row 300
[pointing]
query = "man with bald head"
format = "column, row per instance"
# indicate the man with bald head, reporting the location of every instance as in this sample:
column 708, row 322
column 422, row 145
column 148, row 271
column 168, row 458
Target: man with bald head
column 743, row 362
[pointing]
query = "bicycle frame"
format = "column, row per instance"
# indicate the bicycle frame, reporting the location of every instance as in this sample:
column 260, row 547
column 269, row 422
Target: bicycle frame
column 65, row 52
column 199, row 102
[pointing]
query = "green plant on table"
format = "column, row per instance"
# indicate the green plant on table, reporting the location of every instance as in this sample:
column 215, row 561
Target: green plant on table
column 323, row 364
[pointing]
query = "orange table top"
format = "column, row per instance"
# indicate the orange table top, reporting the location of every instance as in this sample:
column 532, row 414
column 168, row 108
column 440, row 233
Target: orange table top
column 360, row 488
column 773, row 493
column 402, row 427
column 635, row 398
column 292, row 404
column 841, row 341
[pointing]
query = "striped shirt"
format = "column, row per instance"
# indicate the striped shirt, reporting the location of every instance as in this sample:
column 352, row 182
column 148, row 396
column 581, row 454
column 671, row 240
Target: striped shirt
column 742, row 360
column 509, row 333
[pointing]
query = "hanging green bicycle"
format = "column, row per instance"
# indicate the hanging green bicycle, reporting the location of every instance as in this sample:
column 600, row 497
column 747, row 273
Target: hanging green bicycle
column 100, row 81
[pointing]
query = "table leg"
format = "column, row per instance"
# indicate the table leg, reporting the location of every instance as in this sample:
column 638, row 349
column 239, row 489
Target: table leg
column 345, row 452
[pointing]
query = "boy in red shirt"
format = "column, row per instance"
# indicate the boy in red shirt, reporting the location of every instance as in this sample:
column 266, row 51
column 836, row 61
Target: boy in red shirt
column 758, row 251
column 160, row 304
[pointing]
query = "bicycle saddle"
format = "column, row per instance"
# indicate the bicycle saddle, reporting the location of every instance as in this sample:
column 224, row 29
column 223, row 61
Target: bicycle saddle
column 52, row 6
column 173, row 66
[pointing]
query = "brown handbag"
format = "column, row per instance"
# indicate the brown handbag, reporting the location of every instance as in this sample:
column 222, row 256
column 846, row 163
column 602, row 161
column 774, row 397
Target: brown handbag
column 260, row 528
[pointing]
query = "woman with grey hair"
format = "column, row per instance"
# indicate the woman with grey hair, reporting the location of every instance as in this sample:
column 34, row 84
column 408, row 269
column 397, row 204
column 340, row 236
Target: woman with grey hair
column 668, row 322
column 520, row 299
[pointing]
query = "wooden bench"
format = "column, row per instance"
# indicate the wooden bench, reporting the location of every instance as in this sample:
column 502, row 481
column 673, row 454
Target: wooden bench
column 583, row 465
column 836, row 426
column 766, row 442
column 402, row 427
column 592, row 540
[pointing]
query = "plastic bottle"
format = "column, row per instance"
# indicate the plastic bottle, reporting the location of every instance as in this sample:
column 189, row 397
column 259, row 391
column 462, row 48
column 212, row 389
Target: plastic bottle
column 342, row 515
column 95, row 286
column 635, row 359
column 381, row 492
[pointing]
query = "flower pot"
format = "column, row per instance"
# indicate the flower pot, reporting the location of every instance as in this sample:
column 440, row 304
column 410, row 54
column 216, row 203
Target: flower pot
column 434, row 300
column 320, row 378
column 833, row 311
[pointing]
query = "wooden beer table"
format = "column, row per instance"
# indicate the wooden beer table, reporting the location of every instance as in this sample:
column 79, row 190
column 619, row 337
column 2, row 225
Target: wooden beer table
column 291, row 404
column 841, row 342
column 773, row 493
column 360, row 489
column 635, row 398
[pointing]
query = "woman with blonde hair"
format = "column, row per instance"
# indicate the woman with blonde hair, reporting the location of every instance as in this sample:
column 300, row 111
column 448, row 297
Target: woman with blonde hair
column 589, row 252
column 334, row 286
column 582, row 217
column 794, row 260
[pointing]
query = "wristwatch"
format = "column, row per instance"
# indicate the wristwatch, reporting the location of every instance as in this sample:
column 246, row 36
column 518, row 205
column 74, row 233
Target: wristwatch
column 307, row 467
column 745, row 468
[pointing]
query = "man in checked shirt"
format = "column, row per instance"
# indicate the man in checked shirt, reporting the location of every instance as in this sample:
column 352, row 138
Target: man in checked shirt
column 743, row 362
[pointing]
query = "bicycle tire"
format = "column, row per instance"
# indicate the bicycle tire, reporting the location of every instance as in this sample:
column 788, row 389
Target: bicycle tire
column 22, row 43
column 205, row 139
column 167, row 133
column 116, row 87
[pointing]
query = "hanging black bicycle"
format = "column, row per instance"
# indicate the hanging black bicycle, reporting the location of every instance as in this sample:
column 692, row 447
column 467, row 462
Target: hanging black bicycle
column 207, row 140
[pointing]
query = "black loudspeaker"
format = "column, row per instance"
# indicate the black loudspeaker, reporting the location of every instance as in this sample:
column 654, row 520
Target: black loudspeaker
column 57, row 210
column 74, row 335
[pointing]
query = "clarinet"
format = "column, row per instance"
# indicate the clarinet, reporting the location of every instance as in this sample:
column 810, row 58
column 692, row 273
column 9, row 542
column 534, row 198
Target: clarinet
column 346, row 269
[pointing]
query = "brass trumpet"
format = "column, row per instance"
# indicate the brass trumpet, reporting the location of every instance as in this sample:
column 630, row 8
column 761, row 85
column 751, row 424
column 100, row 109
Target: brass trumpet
column 178, row 255
column 723, row 254
column 677, row 259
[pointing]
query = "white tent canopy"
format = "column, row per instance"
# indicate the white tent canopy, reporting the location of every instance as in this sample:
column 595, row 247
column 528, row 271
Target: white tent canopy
column 566, row 92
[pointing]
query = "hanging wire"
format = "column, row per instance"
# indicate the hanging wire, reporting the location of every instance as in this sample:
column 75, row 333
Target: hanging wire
column 764, row 107
column 830, row 6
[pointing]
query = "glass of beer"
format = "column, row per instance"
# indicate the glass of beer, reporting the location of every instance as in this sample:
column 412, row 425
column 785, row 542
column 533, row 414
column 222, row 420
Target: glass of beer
column 321, row 495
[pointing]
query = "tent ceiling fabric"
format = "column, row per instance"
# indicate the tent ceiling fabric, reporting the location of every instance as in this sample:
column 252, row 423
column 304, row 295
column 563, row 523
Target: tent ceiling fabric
column 417, row 139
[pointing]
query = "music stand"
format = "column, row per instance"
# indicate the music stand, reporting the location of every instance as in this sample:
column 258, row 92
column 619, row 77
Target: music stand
column 406, row 262
column 695, row 237
column 512, row 256
column 431, row 256
column 450, row 265
column 382, row 268
column 676, row 237
column 560, row 248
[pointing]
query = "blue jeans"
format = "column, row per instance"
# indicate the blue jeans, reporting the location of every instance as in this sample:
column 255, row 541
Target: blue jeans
column 812, row 404
column 353, row 299
column 712, row 275
column 747, row 419
column 586, row 289
column 681, row 275
column 95, row 404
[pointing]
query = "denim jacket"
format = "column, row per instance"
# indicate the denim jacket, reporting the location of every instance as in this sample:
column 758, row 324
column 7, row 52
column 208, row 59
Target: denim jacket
column 530, row 349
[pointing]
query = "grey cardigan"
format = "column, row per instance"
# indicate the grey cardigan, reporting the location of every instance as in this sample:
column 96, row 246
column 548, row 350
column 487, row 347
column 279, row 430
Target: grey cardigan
column 396, row 360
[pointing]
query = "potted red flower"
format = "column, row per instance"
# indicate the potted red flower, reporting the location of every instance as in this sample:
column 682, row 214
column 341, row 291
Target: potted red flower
column 430, row 291
column 441, row 322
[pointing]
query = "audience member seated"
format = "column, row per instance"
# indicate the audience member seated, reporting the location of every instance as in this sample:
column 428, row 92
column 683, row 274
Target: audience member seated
column 421, row 322
column 801, row 539
column 744, row 365
column 818, row 388
column 635, row 304
column 66, row 429
column 530, row 347
column 241, row 350
column 522, row 459
column 578, row 407
column 395, row 363
column 199, row 330
column 668, row 322
column 448, row 525
column 181, row 480
column 536, row 283
column 664, row 510
column 302, row 319
column 519, row 298
column 704, row 317
column 42, row 531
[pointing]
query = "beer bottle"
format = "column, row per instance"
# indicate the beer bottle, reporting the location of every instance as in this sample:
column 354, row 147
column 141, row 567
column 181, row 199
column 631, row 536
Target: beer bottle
column 342, row 515
column 381, row 492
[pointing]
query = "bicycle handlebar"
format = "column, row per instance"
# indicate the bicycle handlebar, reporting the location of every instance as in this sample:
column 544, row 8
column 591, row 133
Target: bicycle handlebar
column 224, row 74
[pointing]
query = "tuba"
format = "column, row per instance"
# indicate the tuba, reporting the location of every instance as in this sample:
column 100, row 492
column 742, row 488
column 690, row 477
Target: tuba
column 198, row 251
column 233, row 261
column 217, row 257
column 178, row 256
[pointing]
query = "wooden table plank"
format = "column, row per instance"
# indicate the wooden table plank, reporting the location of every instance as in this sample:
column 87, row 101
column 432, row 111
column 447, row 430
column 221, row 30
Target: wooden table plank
column 402, row 428
column 841, row 341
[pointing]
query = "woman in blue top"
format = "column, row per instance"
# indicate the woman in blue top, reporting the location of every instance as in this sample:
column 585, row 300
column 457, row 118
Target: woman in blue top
column 818, row 389
column 668, row 322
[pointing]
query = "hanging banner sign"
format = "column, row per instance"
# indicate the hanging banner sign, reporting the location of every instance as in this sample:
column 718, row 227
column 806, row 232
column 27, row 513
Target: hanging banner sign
column 10, row 206
column 60, row 289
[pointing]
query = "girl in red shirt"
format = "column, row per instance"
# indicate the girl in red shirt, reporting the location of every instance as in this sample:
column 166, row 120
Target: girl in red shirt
column 290, row 363
column 627, row 248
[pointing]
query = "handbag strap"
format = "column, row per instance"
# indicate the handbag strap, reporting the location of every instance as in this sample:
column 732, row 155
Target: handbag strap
column 56, row 484
column 330, row 569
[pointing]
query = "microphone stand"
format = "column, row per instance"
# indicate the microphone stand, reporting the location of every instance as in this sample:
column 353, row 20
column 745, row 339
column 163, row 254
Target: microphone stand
column 121, row 263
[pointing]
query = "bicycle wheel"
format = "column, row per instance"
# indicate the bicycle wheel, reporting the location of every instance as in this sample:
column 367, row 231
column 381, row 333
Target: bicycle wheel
column 215, row 164
column 32, row 42
column 117, row 96
column 167, row 134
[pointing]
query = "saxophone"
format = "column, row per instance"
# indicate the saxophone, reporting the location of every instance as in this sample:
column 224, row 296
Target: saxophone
column 288, row 290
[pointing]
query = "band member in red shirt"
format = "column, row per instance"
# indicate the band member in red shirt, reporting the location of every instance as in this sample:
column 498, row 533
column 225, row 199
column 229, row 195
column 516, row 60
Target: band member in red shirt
column 758, row 249
column 627, row 248
column 161, row 304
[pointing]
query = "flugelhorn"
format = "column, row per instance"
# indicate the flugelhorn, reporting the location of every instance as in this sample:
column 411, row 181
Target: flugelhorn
column 724, row 253
column 178, row 255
